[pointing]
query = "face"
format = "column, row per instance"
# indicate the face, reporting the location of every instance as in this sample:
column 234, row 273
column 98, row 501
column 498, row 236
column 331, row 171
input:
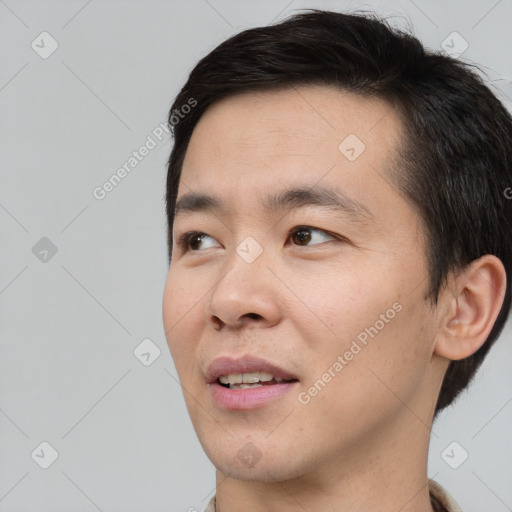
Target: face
column 294, row 309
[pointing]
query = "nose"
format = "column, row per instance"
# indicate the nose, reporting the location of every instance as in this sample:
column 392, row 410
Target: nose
column 246, row 294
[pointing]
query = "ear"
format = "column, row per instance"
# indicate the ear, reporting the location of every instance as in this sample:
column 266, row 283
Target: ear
column 472, row 301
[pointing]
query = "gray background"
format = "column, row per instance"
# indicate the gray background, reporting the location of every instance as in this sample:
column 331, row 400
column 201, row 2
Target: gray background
column 70, row 324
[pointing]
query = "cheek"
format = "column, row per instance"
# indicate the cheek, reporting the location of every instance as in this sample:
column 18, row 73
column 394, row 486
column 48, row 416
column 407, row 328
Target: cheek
column 365, row 317
column 335, row 305
column 179, row 310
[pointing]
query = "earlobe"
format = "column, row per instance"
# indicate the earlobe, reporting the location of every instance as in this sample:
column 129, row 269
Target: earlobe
column 473, row 301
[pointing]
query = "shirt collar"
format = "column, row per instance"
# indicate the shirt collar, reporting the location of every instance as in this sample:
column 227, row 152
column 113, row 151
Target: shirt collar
column 438, row 496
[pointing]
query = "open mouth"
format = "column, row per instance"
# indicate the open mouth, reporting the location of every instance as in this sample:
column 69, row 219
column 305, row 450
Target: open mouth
column 250, row 380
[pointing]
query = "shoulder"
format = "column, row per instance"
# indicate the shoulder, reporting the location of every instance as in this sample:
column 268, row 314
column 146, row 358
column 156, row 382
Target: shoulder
column 211, row 506
column 439, row 493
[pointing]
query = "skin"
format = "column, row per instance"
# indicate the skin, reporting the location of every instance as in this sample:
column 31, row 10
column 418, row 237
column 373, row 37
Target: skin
column 360, row 444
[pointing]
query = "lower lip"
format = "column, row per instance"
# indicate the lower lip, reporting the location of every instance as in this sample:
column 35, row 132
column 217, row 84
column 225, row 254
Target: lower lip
column 250, row 398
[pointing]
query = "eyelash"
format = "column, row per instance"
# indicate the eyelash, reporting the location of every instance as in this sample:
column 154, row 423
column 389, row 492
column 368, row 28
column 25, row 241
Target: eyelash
column 185, row 239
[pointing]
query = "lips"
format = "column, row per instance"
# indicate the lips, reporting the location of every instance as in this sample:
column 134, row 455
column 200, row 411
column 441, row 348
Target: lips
column 225, row 366
column 247, row 383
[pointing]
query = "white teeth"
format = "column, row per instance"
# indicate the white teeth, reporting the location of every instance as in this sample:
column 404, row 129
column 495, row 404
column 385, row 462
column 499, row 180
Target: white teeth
column 266, row 377
column 247, row 378
column 232, row 378
column 223, row 379
column 253, row 377
column 235, row 378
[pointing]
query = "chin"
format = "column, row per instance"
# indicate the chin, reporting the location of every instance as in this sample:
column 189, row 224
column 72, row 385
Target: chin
column 264, row 473
column 256, row 461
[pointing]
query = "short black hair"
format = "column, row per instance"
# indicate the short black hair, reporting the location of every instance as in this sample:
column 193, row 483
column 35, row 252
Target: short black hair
column 454, row 165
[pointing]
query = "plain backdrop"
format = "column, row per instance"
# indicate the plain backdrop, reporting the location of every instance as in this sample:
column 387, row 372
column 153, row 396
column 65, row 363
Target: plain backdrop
column 82, row 85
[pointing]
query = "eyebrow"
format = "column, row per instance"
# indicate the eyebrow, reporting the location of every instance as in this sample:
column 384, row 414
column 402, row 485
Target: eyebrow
column 291, row 199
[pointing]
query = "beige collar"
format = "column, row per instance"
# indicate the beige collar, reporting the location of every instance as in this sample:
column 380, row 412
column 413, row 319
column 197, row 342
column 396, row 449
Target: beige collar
column 436, row 490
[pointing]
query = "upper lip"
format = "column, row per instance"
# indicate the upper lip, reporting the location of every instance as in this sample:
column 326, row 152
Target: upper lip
column 228, row 365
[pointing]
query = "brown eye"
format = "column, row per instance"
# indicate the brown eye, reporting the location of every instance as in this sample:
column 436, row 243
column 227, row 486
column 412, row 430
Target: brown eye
column 304, row 235
column 194, row 242
column 301, row 236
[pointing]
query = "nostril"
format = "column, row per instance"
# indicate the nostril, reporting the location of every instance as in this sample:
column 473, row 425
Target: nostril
column 217, row 322
column 254, row 316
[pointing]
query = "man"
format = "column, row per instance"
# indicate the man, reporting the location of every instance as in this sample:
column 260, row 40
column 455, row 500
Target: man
column 341, row 259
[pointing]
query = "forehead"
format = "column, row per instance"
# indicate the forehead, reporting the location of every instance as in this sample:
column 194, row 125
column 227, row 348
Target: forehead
column 305, row 135
column 310, row 114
